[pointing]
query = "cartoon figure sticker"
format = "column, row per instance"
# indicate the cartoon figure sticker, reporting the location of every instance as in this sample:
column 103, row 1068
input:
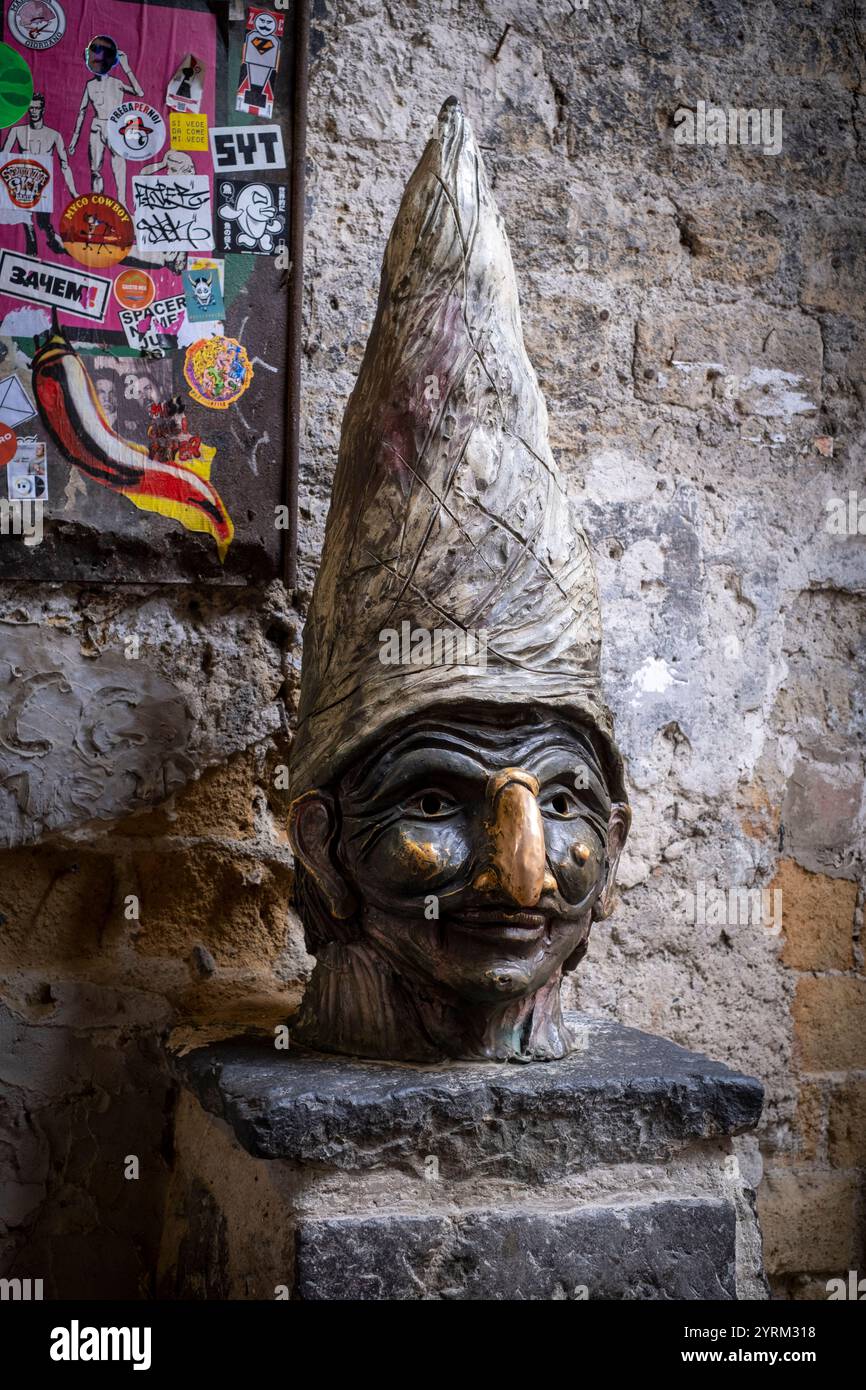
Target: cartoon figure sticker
column 38, row 142
column 16, row 86
column 135, row 131
column 96, row 230
column 102, row 95
column 204, row 299
column 217, row 371
column 134, row 289
column 186, row 88
column 261, row 58
column 251, row 216
column 36, row 24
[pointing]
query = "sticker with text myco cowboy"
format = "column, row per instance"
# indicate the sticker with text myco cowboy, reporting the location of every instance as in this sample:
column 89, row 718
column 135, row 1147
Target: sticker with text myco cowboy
column 56, row 286
column 36, row 24
column 96, row 230
column 135, row 131
column 217, row 371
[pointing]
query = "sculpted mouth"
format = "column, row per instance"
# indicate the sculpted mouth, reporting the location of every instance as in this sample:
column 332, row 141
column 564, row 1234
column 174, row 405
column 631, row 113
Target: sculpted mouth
column 510, row 924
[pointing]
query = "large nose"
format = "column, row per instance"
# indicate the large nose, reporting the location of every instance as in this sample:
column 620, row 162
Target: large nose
column 516, row 863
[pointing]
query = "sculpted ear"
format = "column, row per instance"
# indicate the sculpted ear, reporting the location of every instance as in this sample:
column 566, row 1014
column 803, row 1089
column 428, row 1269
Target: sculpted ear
column 313, row 834
column 617, row 833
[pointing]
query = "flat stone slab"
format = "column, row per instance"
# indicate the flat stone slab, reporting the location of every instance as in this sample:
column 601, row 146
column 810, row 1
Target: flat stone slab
column 626, row 1097
column 672, row 1248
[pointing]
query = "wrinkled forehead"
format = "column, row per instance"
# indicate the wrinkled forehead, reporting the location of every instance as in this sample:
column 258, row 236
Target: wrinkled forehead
column 543, row 744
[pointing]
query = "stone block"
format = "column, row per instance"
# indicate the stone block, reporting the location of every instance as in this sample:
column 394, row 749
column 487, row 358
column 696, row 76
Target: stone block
column 666, row 1249
column 808, row 1220
column 817, row 918
column 830, row 1022
column 847, row 1126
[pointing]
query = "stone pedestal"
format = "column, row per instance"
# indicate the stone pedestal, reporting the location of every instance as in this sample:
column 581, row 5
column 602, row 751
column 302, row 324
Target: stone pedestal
column 610, row 1175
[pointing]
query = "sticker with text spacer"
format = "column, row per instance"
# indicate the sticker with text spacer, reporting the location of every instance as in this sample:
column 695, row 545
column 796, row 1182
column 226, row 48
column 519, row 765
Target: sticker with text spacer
column 23, row 277
column 236, row 148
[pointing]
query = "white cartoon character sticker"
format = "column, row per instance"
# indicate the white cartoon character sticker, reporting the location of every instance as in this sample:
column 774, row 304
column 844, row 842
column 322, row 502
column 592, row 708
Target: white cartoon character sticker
column 250, row 216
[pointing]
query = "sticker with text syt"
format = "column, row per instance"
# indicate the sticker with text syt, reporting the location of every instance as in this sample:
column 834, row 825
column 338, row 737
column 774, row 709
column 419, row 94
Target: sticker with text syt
column 247, row 149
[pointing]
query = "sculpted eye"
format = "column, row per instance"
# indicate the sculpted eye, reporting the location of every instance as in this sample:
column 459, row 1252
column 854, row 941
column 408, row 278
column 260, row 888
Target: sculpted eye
column 432, row 805
column 561, row 804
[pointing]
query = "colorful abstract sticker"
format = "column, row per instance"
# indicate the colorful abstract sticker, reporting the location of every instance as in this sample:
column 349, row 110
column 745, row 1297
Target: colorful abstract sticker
column 204, row 297
column 96, row 230
column 135, row 131
column 186, row 88
column 36, row 24
column 16, row 86
column 261, row 58
column 71, row 412
column 250, row 216
column 134, row 289
column 217, row 371
column 188, row 132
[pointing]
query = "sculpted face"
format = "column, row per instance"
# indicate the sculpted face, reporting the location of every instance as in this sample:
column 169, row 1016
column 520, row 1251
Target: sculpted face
column 472, row 855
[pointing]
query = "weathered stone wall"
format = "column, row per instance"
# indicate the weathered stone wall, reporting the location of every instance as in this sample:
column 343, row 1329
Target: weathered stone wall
column 693, row 314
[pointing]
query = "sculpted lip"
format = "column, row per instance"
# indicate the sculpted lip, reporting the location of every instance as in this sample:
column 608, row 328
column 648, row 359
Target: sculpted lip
column 516, row 925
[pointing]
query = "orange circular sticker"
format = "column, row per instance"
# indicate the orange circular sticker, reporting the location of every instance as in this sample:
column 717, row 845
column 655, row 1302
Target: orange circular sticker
column 96, row 230
column 134, row 289
column 8, row 445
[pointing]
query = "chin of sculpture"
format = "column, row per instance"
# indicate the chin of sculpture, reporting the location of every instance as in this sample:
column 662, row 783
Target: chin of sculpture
column 458, row 801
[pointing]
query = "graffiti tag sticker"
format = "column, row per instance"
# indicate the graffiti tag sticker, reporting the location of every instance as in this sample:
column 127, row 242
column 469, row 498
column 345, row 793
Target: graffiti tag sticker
column 135, row 131
column 96, row 230
column 24, row 277
column 261, row 58
column 172, row 214
column 186, row 88
column 36, row 24
column 247, row 149
column 251, row 216
column 203, row 293
column 153, row 330
column 217, row 371
column 26, row 185
column 134, row 289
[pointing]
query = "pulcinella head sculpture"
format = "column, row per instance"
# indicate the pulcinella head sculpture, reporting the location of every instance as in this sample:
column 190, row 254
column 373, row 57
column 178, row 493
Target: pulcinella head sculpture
column 458, row 802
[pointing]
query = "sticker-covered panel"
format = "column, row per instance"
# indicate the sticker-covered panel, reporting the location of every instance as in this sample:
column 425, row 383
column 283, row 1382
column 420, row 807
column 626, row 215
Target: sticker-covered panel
column 144, row 214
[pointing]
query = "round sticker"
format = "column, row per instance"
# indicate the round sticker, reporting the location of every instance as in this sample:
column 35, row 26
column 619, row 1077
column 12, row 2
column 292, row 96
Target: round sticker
column 136, row 131
column 217, row 371
column 8, row 444
column 100, row 55
column 134, row 289
column 25, row 181
column 16, row 86
column 37, row 23
column 96, row 230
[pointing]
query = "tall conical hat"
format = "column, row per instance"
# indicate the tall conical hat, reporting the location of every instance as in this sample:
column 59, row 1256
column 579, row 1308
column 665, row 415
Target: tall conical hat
column 448, row 510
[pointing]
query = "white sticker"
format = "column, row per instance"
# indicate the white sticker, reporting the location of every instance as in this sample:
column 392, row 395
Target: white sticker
column 154, row 329
column 26, row 186
column 37, row 24
column 187, row 86
column 27, row 472
column 136, row 131
column 172, row 213
column 15, row 404
column 41, row 283
column 236, row 148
